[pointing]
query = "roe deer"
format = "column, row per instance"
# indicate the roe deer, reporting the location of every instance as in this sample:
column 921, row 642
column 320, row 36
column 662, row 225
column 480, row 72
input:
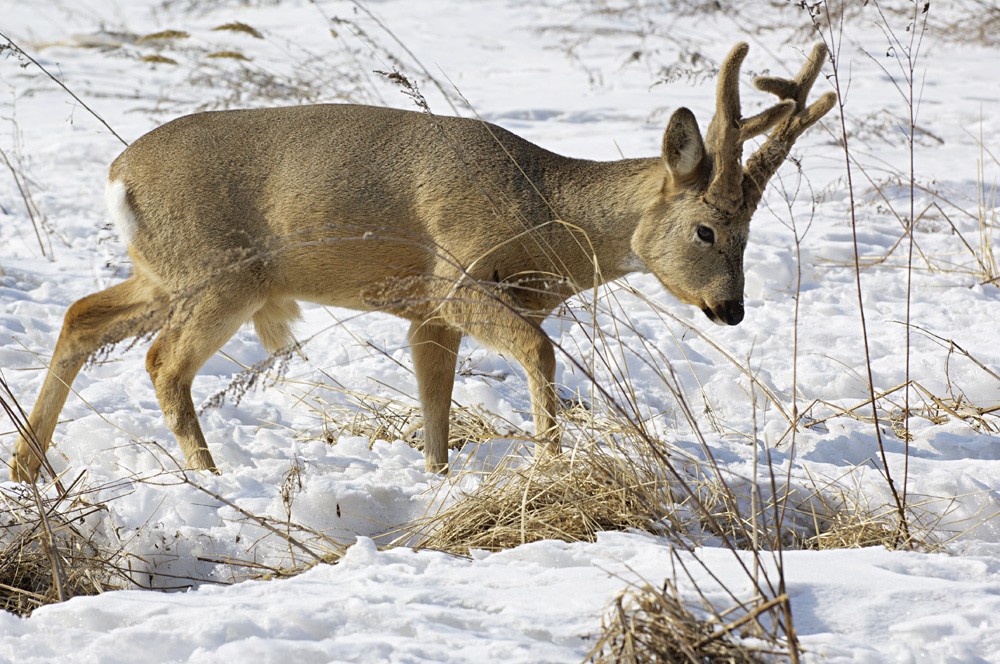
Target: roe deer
column 454, row 224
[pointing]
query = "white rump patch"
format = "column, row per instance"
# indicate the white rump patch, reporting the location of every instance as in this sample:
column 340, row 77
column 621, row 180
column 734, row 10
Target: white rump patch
column 122, row 215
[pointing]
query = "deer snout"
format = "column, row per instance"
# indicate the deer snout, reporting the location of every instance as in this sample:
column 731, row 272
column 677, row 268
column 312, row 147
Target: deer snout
column 727, row 313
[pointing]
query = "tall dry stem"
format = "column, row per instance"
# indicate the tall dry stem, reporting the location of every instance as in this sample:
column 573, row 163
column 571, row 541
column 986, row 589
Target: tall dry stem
column 833, row 36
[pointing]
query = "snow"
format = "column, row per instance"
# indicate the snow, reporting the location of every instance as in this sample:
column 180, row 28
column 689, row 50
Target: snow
column 581, row 82
column 520, row 605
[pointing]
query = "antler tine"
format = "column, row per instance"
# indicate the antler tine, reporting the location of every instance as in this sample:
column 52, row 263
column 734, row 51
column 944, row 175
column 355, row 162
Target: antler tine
column 766, row 160
column 729, row 130
column 723, row 135
column 797, row 88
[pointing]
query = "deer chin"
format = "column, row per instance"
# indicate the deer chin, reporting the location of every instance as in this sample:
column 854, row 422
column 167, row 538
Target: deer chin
column 711, row 316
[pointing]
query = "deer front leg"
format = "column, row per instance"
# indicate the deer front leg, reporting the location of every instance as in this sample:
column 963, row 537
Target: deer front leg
column 538, row 358
column 522, row 338
column 435, row 354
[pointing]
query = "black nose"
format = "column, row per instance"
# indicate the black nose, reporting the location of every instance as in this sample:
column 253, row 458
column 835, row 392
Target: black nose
column 730, row 312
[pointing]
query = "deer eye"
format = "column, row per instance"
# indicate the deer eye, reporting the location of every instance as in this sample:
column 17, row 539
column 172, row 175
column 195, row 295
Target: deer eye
column 705, row 234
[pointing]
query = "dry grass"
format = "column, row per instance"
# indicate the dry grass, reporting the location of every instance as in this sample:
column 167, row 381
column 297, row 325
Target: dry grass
column 46, row 556
column 647, row 624
column 163, row 35
column 934, row 408
column 845, row 520
column 277, row 69
column 157, row 59
column 239, row 26
column 46, row 552
column 854, row 529
column 381, row 418
column 987, row 208
column 569, row 499
column 232, row 55
column 615, row 482
column 838, row 516
column 812, row 515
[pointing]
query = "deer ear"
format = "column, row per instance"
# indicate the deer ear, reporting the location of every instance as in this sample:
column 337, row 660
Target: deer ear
column 683, row 148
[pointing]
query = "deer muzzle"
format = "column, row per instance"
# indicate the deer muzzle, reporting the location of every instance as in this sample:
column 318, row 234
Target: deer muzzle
column 727, row 313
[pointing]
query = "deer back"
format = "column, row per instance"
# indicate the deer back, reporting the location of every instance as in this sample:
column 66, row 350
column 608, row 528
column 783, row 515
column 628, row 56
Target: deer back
column 325, row 201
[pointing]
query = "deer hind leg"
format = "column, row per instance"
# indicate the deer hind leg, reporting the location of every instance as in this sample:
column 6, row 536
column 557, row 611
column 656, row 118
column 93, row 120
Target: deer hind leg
column 131, row 308
column 435, row 353
column 498, row 324
column 197, row 330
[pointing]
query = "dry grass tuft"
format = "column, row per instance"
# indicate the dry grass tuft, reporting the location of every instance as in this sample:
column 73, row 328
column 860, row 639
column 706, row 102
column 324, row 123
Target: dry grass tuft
column 851, row 530
column 232, row 55
column 846, row 519
column 647, row 624
column 815, row 514
column 162, row 35
column 569, row 499
column 159, row 60
column 45, row 557
column 239, row 26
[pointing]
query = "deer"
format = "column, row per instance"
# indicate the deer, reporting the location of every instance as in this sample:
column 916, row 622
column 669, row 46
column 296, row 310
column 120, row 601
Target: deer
column 455, row 225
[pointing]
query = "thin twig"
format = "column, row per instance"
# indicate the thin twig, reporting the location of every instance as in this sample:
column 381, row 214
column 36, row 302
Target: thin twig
column 14, row 45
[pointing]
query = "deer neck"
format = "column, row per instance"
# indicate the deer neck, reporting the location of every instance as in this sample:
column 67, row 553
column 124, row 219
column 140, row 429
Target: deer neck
column 606, row 200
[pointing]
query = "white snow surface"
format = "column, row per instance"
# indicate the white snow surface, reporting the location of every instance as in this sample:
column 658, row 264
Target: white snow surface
column 581, row 82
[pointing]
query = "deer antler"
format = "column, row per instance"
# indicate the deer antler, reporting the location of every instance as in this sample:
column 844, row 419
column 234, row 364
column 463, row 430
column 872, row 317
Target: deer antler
column 728, row 131
column 766, row 160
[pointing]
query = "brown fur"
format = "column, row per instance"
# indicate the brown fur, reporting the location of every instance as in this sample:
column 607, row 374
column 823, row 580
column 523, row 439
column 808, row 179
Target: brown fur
column 454, row 224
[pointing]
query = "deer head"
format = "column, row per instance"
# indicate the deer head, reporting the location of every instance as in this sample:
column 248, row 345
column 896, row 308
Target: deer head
column 694, row 237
